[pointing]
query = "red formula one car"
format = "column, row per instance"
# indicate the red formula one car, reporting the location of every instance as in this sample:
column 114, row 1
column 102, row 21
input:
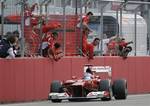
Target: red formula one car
column 81, row 89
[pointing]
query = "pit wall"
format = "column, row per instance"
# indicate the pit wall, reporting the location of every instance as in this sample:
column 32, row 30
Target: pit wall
column 29, row 79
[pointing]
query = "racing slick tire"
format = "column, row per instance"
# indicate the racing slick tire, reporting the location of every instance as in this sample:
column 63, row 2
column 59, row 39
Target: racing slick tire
column 105, row 85
column 120, row 89
column 56, row 87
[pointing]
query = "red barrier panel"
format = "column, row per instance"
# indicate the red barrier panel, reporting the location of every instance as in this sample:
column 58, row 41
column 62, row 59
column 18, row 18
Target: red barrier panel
column 29, row 79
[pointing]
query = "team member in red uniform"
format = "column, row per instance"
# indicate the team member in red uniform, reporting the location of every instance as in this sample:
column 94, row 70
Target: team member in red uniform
column 90, row 48
column 29, row 10
column 112, row 48
column 123, row 43
column 124, row 49
column 55, row 52
column 30, row 18
column 84, row 39
column 50, row 38
column 35, row 40
column 48, row 42
column 86, row 31
column 85, row 21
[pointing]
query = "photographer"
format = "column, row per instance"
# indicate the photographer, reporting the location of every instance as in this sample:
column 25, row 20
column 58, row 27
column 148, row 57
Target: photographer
column 7, row 47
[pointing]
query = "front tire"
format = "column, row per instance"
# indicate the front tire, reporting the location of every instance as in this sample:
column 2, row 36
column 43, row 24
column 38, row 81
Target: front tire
column 56, row 87
column 120, row 89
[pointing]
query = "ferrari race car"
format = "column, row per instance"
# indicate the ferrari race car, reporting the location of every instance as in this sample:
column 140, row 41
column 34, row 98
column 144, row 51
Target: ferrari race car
column 81, row 89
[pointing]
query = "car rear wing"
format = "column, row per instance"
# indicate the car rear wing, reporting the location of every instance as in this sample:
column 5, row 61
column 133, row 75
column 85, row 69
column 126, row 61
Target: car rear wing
column 99, row 69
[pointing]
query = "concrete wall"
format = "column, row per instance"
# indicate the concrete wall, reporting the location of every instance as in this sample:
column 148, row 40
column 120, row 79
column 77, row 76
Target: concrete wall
column 29, row 79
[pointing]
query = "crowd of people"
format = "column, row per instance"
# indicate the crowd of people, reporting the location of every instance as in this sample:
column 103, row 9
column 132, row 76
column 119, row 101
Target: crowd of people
column 9, row 46
column 50, row 47
column 114, row 46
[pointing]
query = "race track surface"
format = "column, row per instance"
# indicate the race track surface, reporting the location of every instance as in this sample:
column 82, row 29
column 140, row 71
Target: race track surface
column 132, row 100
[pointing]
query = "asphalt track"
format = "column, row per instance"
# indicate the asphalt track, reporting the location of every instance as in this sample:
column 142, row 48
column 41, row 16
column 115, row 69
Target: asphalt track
column 132, row 100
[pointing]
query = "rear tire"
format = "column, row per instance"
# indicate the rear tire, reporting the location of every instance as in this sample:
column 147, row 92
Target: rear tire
column 105, row 85
column 120, row 89
column 56, row 87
